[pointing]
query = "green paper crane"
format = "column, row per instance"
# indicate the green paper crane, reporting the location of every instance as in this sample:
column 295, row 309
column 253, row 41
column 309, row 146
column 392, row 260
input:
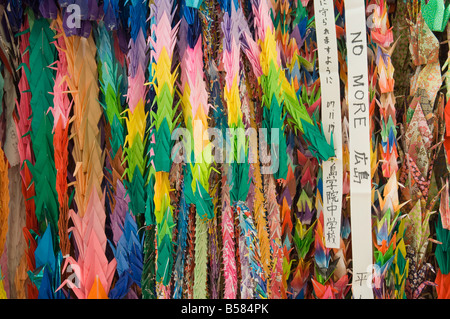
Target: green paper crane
column 436, row 14
column 165, row 121
column 41, row 81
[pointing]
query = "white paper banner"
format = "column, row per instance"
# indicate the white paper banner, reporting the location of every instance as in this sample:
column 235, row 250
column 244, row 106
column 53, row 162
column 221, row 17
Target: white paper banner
column 331, row 119
column 359, row 148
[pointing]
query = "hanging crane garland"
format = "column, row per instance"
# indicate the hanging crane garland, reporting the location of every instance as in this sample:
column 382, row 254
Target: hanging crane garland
column 173, row 149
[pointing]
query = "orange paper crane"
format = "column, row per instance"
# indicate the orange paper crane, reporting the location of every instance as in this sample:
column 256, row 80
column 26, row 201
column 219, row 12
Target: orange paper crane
column 82, row 82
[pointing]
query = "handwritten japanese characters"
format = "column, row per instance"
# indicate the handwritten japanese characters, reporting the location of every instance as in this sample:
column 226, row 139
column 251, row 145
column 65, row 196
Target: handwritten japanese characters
column 331, row 119
column 359, row 146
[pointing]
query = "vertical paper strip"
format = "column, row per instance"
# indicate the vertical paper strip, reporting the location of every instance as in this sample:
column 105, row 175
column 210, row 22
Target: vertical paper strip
column 359, row 148
column 331, row 119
